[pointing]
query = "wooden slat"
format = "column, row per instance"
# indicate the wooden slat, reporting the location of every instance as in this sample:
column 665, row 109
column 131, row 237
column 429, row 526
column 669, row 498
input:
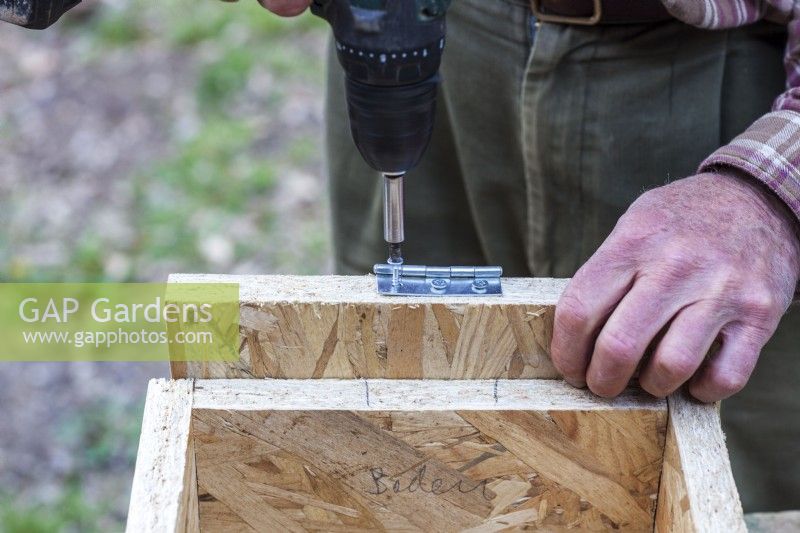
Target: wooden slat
column 339, row 327
column 164, row 493
column 404, row 395
column 697, row 493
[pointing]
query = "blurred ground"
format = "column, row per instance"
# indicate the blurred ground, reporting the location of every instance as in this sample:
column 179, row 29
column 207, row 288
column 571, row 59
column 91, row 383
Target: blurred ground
column 137, row 139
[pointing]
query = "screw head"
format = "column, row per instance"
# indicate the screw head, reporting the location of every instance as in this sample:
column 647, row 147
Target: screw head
column 439, row 283
column 480, row 285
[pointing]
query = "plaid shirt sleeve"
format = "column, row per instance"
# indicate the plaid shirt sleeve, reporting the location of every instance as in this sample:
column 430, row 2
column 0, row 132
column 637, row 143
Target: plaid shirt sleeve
column 770, row 149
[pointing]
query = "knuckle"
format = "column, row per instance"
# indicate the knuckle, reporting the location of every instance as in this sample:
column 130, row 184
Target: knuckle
column 760, row 304
column 619, row 348
column 646, row 201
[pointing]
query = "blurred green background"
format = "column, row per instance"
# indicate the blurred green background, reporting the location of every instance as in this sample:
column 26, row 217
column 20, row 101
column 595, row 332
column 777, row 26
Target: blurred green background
column 137, row 139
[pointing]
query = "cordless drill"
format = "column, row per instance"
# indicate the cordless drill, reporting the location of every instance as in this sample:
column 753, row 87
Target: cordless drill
column 390, row 51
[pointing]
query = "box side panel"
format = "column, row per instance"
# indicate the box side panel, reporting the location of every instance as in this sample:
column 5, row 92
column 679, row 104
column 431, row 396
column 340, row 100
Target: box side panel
column 163, row 496
column 316, row 333
column 428, row 470
column 672, row 514
column 697, row 492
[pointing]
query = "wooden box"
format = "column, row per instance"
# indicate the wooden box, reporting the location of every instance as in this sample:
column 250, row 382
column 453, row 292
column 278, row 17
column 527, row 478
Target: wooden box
column 434, row 417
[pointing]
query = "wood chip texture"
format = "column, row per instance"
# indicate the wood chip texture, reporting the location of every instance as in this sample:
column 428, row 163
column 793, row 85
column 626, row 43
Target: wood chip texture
column 511, row 459
column 339, row 327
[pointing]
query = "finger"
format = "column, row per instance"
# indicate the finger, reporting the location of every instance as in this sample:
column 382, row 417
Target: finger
column 682, row 349
column 727, row 372
column 630, row 329
column 587, row 301
column 286, row 8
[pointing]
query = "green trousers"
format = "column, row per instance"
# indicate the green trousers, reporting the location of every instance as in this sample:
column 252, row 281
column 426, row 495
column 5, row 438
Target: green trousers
column 544, row 136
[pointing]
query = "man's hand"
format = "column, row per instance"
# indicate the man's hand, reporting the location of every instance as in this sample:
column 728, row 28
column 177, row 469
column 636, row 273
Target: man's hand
column 286, row 8
column 711, row 257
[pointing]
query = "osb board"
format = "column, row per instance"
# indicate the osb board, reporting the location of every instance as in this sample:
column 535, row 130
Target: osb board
column 164, row 492
column 697, row 491
column 585, row 435
column 339, row 327
column 484, row 470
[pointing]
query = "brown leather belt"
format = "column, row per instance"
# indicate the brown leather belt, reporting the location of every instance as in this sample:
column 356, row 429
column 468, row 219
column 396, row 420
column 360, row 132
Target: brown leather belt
column 592, row 12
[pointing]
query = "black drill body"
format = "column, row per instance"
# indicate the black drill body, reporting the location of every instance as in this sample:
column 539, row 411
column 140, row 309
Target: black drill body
column 390, row 51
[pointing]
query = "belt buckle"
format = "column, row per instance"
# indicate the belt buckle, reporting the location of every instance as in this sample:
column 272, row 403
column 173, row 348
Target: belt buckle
column 563, row 19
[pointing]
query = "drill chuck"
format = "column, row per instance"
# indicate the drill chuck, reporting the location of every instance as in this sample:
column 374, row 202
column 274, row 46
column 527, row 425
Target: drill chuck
column 392, row 126
column 390, row 51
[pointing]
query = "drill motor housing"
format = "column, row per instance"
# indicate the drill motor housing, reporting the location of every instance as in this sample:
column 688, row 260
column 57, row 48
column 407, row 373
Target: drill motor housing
column 390, row 51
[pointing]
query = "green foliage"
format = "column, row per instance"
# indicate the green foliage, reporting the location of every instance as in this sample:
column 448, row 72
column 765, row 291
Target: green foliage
column 87, row 257
column 118, row 28
column 69, row 512
column 223, row 78
column 213, row 179
column 303, row 150
column 103, row 436
column 241, row 21
column 183, row 23
column 240, row 65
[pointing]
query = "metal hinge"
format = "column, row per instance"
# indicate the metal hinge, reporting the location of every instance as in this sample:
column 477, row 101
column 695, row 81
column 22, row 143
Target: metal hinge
column 420, row 280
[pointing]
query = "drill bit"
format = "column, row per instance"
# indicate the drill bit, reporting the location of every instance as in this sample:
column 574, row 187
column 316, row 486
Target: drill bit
column 393, row 224
column 395, row 253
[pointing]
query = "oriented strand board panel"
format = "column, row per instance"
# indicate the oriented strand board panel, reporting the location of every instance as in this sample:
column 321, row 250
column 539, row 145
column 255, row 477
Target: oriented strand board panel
column 164, row 492
column 411, row 455
column 339, row 327
column 402, row 456
column 697, row 492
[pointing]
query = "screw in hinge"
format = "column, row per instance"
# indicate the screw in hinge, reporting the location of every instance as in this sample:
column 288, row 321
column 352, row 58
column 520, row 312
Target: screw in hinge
column 480, row 286
column 439, row 285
